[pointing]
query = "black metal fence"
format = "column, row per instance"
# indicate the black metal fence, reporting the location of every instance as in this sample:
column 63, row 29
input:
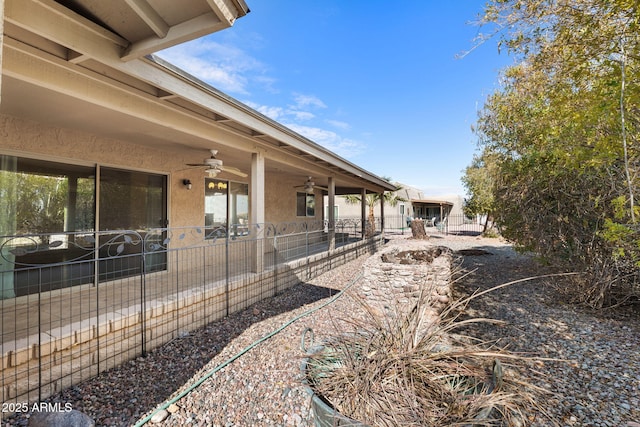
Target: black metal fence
column 76, row 304
column 450, row 224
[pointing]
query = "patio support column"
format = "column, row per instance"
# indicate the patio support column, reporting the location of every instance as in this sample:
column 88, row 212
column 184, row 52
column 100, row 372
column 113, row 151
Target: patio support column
column 382, row 213
column 257, row 217
column 1, row 42
column 332, row 214
column 363, row 212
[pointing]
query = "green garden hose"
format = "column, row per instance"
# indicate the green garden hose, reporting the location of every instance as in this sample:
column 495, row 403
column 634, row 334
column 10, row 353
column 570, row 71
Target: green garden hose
column 209, row 374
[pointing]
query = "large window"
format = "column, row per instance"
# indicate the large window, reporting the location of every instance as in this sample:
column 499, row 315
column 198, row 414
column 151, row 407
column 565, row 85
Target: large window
column 51, row 204
column 335, row 212
column 132, row 200
column 305, row 204
column 45, row 197
column 52, row 208
column 226, row 207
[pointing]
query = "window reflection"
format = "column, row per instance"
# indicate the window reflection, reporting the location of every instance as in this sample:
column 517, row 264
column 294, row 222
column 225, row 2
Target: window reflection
column 226, row 207
column 45, row 197
column 305, row 204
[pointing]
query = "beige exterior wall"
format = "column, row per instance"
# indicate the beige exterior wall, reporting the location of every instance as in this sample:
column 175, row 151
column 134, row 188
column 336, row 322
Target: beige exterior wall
column 26, row 138
column 186, row 207
column 280, row 200
column 1, row 41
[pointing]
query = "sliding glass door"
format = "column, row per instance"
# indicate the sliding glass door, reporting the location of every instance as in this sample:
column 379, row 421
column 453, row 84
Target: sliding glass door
column 226, row 205
column 48, row 218
column 135, row 201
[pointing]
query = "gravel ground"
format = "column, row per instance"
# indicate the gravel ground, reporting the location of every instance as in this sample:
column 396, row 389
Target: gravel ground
column 598, row 384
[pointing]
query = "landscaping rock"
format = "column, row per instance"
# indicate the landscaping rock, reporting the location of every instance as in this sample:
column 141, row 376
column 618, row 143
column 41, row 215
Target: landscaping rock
column 160, row 416
column 71, row 418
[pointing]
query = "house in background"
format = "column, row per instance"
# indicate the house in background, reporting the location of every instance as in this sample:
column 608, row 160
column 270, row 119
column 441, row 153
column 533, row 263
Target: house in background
column 412, row 203
column 119, row 172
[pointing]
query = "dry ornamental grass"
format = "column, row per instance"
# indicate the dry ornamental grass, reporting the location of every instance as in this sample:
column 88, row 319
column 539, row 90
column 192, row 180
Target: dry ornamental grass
column 403, row 372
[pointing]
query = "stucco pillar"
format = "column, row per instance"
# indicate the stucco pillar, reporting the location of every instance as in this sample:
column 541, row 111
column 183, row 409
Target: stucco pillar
column 363, row 212
column 1, row 43
column 257, row 216
column 332, row 214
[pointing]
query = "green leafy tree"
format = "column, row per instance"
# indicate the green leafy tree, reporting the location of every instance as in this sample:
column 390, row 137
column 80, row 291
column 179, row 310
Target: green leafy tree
column 41, row 203
column 479, row 180
column 563, row 129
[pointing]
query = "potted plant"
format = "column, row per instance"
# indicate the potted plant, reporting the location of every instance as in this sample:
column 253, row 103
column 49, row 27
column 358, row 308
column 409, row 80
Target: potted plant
column 405, row 371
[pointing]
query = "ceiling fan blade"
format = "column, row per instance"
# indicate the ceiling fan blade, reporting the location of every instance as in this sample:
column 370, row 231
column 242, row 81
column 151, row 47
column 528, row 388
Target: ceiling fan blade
column 322, row 188
column 196, row 164
column 234, row 171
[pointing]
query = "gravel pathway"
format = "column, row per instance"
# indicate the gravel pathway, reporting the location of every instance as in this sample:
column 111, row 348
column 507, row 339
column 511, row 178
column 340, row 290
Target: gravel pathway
column 598, row 385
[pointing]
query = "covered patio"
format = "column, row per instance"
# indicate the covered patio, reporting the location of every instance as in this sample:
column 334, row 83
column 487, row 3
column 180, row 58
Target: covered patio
column 137, row 198
column 431, row 211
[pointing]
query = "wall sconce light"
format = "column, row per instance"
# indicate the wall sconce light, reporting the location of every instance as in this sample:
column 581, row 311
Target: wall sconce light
column 187, row 183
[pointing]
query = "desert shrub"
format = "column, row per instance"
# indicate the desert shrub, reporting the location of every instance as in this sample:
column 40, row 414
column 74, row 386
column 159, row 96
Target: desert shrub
column 409, row 371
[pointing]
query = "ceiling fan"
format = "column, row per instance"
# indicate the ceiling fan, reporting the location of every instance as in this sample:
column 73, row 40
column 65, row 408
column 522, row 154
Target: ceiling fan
column 215, row 166
column 309, row 186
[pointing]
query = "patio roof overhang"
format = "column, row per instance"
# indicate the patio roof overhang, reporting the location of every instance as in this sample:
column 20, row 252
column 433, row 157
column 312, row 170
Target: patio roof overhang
column 152, row 25
column 431, row 203
column 73, row 70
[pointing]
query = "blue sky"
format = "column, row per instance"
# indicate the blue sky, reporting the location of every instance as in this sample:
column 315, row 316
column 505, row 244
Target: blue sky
column 380, row 83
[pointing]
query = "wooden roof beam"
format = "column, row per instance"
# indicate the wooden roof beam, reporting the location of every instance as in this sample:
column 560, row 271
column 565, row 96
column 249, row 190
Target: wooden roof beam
column 149, row 16
column 194, row 28
column 221, row 119
column 223, row 11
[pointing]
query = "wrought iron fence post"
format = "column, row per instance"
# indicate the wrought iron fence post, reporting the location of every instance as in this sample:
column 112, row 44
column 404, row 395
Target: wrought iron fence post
column 143, row 289
column 275, row 262
column 177, row 317
column 96, row 280
column 226, row 267
column 203, row 251
column 39, row 335
column 306, row 246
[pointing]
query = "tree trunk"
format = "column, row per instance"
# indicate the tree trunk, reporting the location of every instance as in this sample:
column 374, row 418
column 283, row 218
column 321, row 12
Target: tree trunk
column 486, row 223
column 418, row 230
column 371, row 225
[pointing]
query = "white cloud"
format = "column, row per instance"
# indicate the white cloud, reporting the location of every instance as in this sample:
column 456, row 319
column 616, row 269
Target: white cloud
column 224, row 67
column 274, row 113
column 279, row 113
column 268, row 83
column 338, row 124
column 232, row 70
column 330, row 140
column 308, row 101
column 301, row 115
